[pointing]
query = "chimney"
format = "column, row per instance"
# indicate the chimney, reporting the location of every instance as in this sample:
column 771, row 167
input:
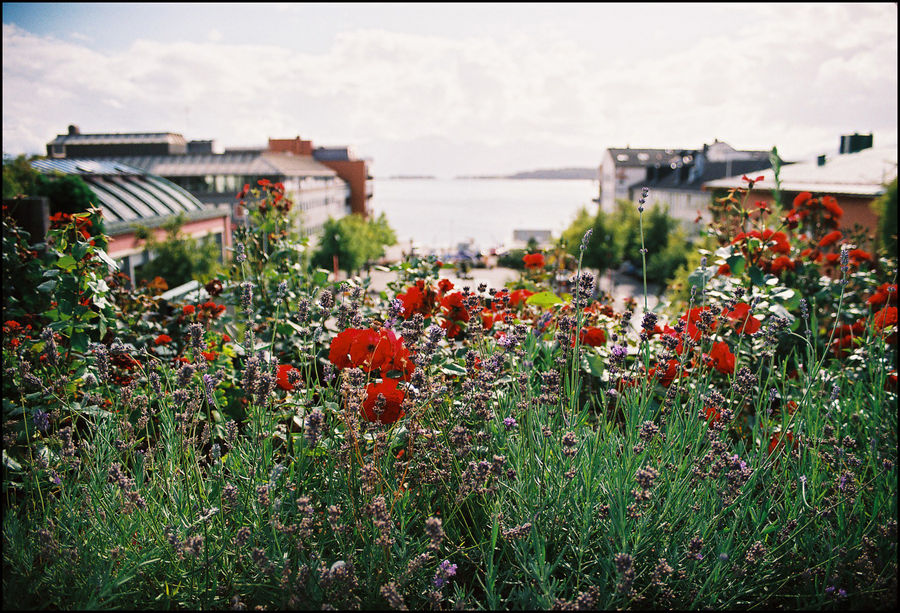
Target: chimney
column 73, row 129
column 852, row 143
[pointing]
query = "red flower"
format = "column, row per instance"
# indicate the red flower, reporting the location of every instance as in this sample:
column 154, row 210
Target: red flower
column 282, row 377
column 744, row 320
column 210, row 309
column 519, row 296
column 534, row 261
column 885, row 318
column 776, row 441
column 454, row 308
column 445, row 285
column 489, row 318
column 780, row 264
column 886, row 292
column 670, row 373
column 163, row 339
column 391, row 409
column 721, row 358
column 831, row 238
column 692, row 317
column 339, row 352
column 593, row 337
column 209, row 355
column 712, row 414
column 724, row 270
column 832, row 207
column 801, row 199
column 188, row 309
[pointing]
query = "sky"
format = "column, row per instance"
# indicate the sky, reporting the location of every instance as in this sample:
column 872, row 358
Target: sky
column 454, row 89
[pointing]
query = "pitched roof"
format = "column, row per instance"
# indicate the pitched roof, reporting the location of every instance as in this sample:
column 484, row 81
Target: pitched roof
column 647, row 157
column 864, row 173
column 671, row 179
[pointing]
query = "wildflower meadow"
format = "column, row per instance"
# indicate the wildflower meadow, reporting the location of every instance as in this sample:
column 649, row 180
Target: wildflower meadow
column 292, row 442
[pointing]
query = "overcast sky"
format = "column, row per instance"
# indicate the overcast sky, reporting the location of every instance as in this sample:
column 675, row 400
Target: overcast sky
column 456, row 89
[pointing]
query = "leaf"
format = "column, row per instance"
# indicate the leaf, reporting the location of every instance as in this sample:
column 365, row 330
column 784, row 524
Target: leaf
column 756, row 276
column 66, row 262
column 544, row 299
column 698, row 278
column 80, row 341
column 452, row 368
column 111, row 263
column 736, row 263
column 47, row 286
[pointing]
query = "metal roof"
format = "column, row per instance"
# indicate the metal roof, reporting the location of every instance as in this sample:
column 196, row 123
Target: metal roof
column 119, row 139
column 255, row 163
column 129, row 194
column 864, row 173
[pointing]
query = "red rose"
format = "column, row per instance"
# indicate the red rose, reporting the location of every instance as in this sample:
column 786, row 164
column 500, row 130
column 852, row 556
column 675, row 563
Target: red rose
column 534, row 261
column 593, row 337
column 391, row 409
column 745, row 321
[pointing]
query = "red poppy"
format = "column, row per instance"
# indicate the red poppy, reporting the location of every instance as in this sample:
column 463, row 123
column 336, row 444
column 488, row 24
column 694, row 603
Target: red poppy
column 534, row 261
column 226, row 338
column 393, row 401
column 281, row 378
column 831, row 205
column 724, row 270
column 210, row 309
column 593, row 337
column 339, row 352
column 691, row 318
column 489, row 318
column 163, row 339
column 721, row 358
column 445, row 285
column 801, row 199
column 858, row 255
column 188, row 309
column 412, row 301
column 209, row 355
column 712, row 414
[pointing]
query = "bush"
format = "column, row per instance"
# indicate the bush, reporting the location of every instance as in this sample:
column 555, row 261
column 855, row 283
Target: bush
column 355, row 241
column 179, row 259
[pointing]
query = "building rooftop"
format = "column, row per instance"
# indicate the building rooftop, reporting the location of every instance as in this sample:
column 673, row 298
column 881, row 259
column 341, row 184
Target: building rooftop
column 646, row 157
column 692, row 177
column 255, row 163
column 76, row 138
column 864, row 173
column 128, row 194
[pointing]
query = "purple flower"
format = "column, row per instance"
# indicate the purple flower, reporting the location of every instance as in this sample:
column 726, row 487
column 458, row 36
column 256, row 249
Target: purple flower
column 444, row 572
column 510, row 423
column 41, row 420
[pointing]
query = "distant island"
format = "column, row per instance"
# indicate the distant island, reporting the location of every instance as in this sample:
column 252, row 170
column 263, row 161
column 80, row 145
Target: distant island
column 546, row 173
column 412, row 177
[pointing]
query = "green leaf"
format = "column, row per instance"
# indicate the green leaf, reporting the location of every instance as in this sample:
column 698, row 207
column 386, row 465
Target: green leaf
column 736, row 263
column 698, row 278
column 452, row 368
column 320, row 277
column 66, row 262
column 756, row 276
column 80, row 341
column 544, row 299
column 47, row 286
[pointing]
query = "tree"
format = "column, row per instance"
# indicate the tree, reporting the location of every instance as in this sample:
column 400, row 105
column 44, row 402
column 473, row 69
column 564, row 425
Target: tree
column 886, row 208
column 19, row 178
column 178, row 259
column 354, row 240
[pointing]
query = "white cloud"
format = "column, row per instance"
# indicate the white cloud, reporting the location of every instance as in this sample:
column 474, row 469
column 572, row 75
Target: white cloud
column 795, row 75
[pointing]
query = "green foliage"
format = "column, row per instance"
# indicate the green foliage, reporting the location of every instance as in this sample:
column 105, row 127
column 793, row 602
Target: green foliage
column 19, row 178
column 886, row 208
column 67, row 193
column 354, row 240
column 179, row 259
column 616, row 238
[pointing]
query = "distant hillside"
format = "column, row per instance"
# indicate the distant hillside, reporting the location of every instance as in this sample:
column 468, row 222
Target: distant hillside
column 546, row 173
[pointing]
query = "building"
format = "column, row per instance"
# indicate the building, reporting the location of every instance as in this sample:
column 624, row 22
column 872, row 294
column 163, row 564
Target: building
column 855, row 177
column 353, row 170
column 130, row 197
column 674, row 176
column 317, row 189
column 679, row 184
